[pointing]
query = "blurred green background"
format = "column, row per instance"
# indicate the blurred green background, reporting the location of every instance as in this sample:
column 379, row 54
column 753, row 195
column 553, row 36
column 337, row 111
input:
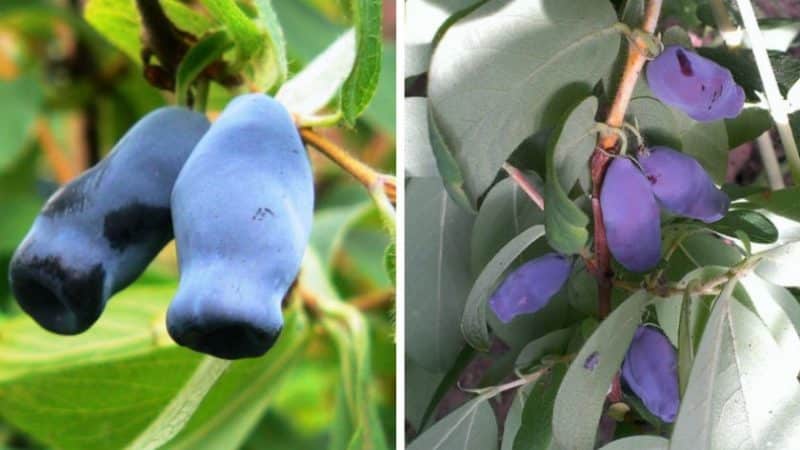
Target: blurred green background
column 66, row 96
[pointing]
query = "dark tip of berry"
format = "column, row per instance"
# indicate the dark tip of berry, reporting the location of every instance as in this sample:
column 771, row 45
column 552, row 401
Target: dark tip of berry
column 227, row 341
column 58, row 298
column 685, row 64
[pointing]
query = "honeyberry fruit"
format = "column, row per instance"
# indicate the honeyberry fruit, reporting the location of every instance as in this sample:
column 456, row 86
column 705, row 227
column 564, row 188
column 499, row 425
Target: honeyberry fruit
column 682, row 186
column 529, row 287
column 650, row 369
column 631, row 216
column 242, row 209
column 96, row 234
column 701, row 88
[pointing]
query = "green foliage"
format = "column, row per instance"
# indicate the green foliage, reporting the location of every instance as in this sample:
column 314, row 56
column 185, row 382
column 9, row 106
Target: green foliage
column 531, row 79
column 489, row 88
column 567, row 157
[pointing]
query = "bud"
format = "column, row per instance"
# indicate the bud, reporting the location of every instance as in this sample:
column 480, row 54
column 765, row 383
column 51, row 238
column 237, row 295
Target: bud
column 682, row 186
column 529, row 288
column 631, row 217
column 701, row 88
column 650, row 370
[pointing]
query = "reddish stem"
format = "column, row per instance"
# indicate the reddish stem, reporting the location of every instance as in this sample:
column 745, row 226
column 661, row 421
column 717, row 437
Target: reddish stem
column 524, row 184
column 607, row 143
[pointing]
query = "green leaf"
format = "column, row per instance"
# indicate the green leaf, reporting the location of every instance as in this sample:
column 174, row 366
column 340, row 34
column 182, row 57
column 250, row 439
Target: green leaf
column 707, row 142
column 437, row 273
column 448, row 167
column 777, row 265
column 580, row 399
column 420, row 387
column 489, row 88
column 638, row 443
column 473, row 322
column 277, row 62
column 427, row 17
column 360, row 86
column 22, row 100
column 244, row 32
column 514, row 417
column 419, row 159
column 299, row 17
column 470, row 426
column 669, row 310
column 568, row 154
column 535, row 432
column 390, row 261
column 313, row 87
column 206, row 51
column 780, row 312
column 238, row 400
column 783, row 202
column 757, row 226
column 747, row 126
column 124, row 370
column 449, row 379
column 685, row 340
column 553, row 343
column 505, row 213
column 741, row 392
column 118, row 21
column 187, row 19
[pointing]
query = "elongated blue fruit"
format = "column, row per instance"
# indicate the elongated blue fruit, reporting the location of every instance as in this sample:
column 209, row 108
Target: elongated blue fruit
column 682, row 186
column 529, row 287
column 701, row 88
column 97, row 234
column 651, row 371
column 242, row 210
column 631, row 216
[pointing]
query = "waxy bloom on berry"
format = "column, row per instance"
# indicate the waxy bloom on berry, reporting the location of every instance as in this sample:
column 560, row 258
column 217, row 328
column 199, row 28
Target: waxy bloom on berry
column 701, row 88
column 529, row 287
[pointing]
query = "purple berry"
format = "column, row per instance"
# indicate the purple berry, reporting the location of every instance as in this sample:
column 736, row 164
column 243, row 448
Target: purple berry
column 651, row 371
column 631, row 217
column 528, row 288
column 682, row 186
column 701, row 88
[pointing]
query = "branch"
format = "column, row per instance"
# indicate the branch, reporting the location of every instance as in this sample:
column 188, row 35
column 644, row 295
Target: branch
column 374, row 300
column 524, row 184
column 709, row 287
column 607, row 144
column 365, row 174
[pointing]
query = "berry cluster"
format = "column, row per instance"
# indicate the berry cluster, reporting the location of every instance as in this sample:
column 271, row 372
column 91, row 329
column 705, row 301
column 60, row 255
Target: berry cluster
column 634, row 192
column 238, row 197
column 630, row 199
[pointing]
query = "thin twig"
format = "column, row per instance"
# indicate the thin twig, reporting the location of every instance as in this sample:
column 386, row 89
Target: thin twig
column 365, row 174
column 62, row 167
column 524, row 184
column 709, row 287
column 607, row 144
column 374, row 300
column 778, row 106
